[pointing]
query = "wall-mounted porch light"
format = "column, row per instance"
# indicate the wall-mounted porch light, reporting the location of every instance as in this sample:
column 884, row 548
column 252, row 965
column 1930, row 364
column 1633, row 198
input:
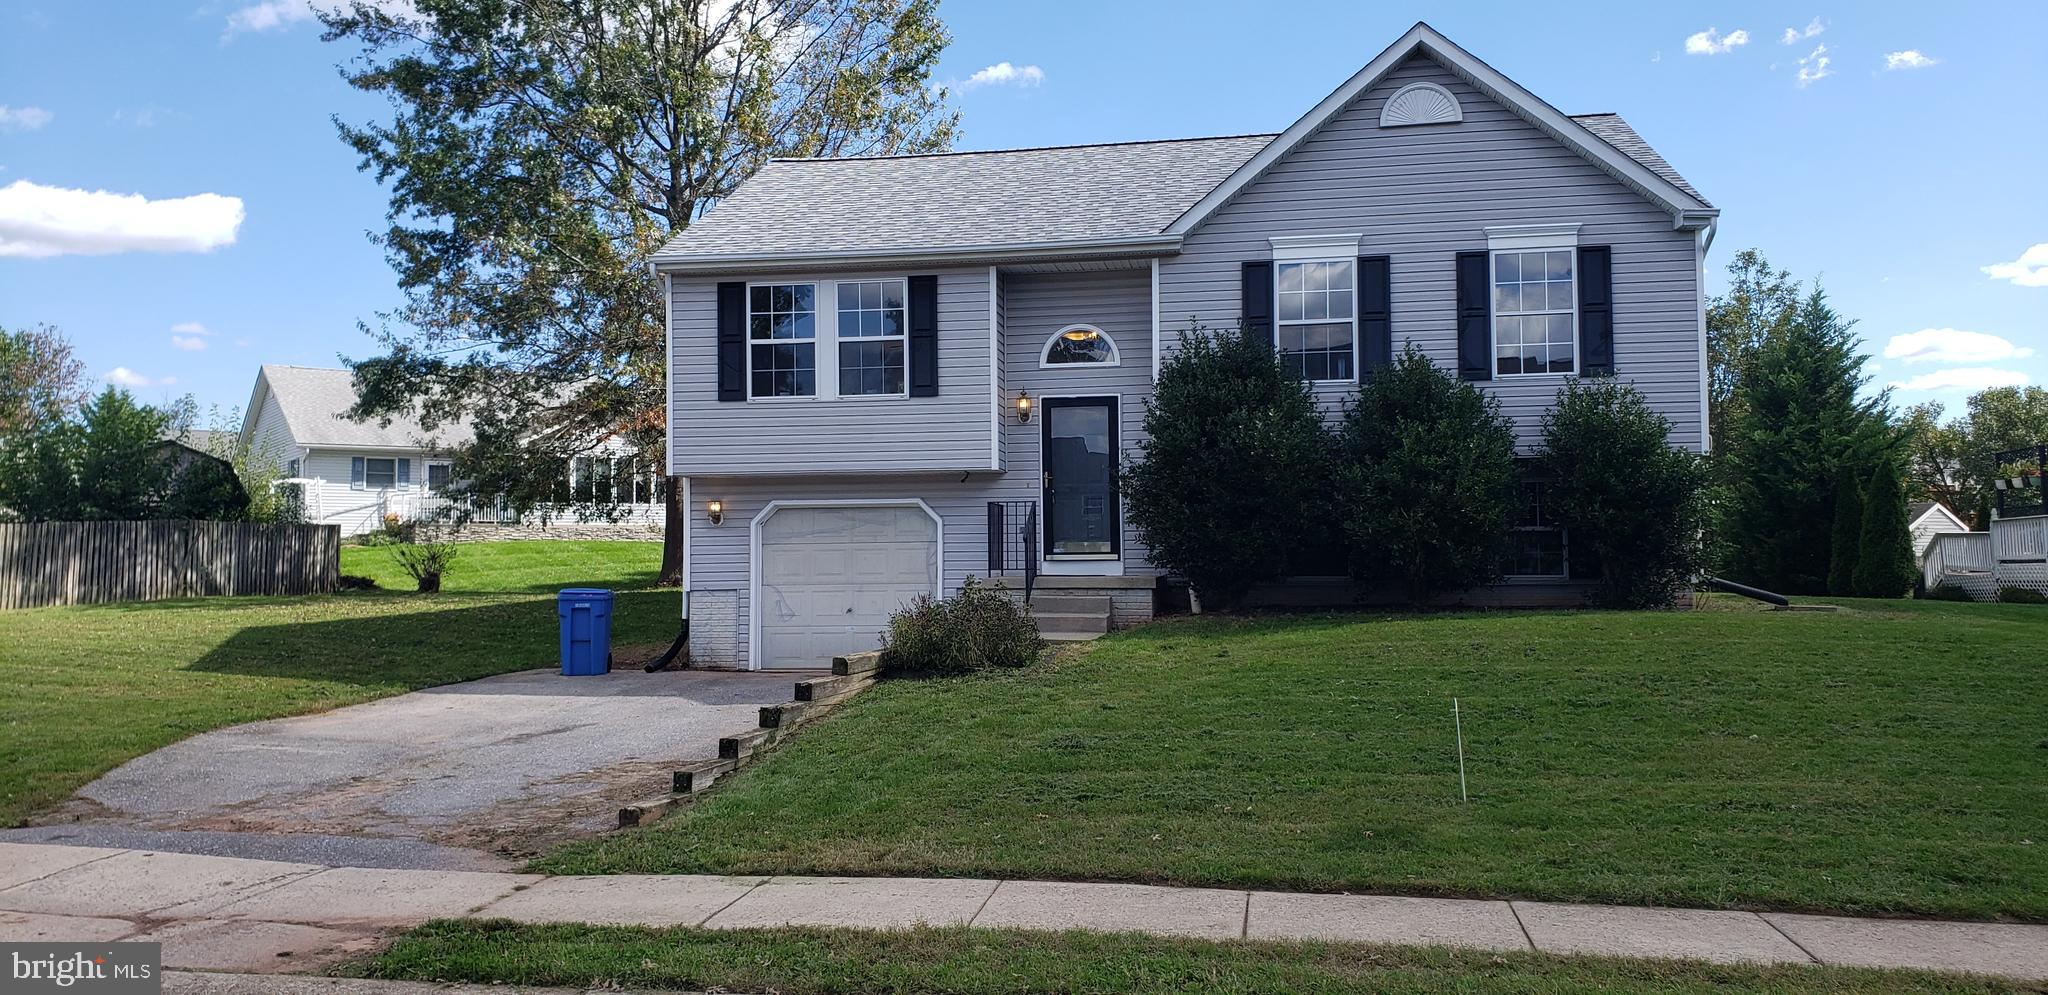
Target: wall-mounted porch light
column 1023, row 407
column 714, row 509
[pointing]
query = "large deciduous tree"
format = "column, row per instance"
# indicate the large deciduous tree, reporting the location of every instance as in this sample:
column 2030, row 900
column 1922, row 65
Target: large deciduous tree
column 1757, row 308
column 538, row 154
column 40, row 380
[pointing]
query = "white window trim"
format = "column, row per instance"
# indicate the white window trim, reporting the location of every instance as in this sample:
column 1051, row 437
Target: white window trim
column 393, row 460
column 1323, row 246
column 1116, row 355
column 1504, row 239
column 1314, row 248
column 825, row 339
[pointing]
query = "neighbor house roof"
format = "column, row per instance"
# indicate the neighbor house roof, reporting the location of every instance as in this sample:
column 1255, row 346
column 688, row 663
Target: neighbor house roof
column 314, row 401
column 1918, row 510
column 1131, row 198
column 964, row 201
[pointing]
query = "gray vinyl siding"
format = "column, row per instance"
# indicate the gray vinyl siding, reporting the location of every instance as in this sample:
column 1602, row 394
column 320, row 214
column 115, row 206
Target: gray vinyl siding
column 270, row 439
column 816, row 435
column 1033, row 307
column 1423, row 194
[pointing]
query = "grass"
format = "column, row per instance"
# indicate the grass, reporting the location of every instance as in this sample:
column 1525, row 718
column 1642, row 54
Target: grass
column 84, row 688
column 521, row 566
column 1885, row 760
column 998, row 962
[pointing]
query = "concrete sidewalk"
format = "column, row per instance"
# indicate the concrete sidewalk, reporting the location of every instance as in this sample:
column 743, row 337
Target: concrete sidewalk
column 235, row 914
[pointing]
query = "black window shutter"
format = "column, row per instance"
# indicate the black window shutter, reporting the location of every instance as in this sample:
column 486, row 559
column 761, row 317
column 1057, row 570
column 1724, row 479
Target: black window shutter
column 1596, row 310
column 1256, row 307
column 1375, row 312
column 732, row 341
column 924, row 336
column 1475, row 338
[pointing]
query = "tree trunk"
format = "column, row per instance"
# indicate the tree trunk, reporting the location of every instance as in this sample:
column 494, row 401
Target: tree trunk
column 672, row 537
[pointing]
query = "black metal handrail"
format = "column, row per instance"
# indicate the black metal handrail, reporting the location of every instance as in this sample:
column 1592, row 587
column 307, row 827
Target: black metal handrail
column 1013, row 541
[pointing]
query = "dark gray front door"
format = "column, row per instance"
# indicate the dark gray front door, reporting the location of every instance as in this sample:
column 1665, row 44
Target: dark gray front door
column 1080, row 477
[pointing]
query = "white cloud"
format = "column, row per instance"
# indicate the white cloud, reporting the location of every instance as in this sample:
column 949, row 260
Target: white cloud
column 189, row 343
column 190, row 328
column 1713, row 42
column 1952, row 345
column 1962, row 380
column 279, row 15
column 1794, row 36
column 1815, row 66
column 1003, row 73
column 121, row 376
column 37, row 221
column 2029, row 270
column 1908, row 59
column 23, row 118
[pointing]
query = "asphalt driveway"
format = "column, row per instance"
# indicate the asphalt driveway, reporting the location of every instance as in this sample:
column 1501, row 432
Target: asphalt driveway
column 467, row 776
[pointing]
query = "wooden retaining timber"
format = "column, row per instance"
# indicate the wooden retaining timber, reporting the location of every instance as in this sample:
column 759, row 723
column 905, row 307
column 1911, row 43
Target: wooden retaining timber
column 74, row 563
column 812, row 698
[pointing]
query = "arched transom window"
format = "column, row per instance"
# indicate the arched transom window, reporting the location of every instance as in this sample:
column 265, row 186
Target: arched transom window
column 1077, row 345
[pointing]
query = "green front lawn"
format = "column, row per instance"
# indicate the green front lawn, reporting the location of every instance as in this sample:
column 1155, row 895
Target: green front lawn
column 85, row 688
column 1888, row 759
column 1001, row 962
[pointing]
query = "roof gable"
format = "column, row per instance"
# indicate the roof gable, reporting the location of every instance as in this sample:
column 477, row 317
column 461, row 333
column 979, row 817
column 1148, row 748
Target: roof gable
column 1664, row 188
column 314, row 401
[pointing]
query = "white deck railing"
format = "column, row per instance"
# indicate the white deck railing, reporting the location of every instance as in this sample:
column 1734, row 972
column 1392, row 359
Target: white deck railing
column 2020, row 539
column 1956, row 552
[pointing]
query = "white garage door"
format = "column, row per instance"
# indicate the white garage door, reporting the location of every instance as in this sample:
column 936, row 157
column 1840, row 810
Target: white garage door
column 830, row 577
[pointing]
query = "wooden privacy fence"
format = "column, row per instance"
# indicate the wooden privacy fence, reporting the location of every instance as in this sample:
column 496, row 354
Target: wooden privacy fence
column 73, row 563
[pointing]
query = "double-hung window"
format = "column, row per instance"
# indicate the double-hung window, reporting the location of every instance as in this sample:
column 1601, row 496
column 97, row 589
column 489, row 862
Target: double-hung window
column 380, row 473
column 872, row 330
column 782, row 336
column 1534, row 311
column 1315, row 328
column 439, row 476
column 1538, row 545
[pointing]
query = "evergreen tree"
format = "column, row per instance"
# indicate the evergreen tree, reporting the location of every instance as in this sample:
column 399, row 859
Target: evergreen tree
column 1425, row 475
column 1798, row 422
column 1229, row 478
column 1885, row 567
column 1847, row 536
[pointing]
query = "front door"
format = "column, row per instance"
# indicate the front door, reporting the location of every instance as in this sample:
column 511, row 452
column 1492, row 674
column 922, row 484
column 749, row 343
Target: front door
column 1079, row 453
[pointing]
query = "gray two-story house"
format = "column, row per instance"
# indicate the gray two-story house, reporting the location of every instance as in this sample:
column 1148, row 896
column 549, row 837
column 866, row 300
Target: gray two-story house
column 890, row 374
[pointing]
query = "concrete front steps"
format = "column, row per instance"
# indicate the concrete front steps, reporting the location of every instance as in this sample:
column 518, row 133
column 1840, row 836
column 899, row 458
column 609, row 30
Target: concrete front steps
column 1070, row 618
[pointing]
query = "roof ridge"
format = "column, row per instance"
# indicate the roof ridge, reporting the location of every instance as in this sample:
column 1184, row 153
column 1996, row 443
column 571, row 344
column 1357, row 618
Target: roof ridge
column 1026, row 148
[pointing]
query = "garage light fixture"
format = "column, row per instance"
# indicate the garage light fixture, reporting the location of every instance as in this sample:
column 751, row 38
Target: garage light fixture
column 714, row 509
column 1023, row 408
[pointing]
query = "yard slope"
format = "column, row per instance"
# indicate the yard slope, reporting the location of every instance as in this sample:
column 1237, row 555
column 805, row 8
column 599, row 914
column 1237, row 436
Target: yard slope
column 1885, row 760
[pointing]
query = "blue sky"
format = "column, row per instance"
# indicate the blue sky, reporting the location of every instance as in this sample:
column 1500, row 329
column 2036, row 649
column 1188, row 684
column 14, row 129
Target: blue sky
column 1896, row 178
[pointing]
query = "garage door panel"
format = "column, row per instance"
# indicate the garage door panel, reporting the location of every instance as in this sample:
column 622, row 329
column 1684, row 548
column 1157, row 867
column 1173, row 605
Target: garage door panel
column 831, row 577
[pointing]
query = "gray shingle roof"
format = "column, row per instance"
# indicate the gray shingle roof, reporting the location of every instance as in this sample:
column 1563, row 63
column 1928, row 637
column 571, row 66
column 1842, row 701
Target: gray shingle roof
column 964, row 200
column 313, row 400
column 1614, row 131
column 1075, row 193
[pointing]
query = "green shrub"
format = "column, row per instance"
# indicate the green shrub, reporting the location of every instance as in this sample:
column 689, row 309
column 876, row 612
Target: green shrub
column 1228, row 483
column 980, row 628
column 1846, row 539
column 1425, row 476
column 2021, row 596
column 1628, row 497
column 1946, row 592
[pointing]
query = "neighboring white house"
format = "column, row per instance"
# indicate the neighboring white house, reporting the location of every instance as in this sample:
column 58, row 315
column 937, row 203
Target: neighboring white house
column 355, row 473
column 1929, row 519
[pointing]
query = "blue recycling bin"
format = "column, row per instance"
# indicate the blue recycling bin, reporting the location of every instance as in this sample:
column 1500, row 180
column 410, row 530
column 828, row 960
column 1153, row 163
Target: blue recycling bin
column 586, row 615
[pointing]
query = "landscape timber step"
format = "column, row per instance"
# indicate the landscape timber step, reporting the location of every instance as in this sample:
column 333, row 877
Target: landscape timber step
column 1070, row 637
column 1093, row 604
column 646, row 812
column 1072, row 621
column 857, row 663
column 694, row 777
column 818, row 688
